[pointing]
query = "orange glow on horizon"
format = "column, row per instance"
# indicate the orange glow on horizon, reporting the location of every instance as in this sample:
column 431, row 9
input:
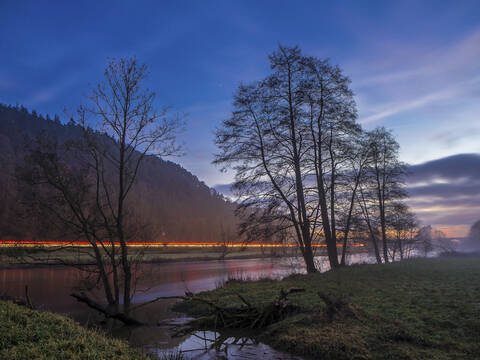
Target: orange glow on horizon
column 7, row 243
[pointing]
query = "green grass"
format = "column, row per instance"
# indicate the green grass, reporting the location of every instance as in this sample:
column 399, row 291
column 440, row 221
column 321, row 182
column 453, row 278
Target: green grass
column 416, row 309
column 30, row 334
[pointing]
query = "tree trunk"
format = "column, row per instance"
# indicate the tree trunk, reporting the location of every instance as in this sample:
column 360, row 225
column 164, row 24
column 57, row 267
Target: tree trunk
column 309, row 259
column 377, row 251
column 347, row 227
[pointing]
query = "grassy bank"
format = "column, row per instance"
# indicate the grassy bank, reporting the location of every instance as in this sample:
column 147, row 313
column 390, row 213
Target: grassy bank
column 417, row 309
column 29, row 334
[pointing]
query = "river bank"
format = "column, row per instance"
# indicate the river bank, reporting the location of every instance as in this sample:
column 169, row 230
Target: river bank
column 415, row 309
column 31, row 334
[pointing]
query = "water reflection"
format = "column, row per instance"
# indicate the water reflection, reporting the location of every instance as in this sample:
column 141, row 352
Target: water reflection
column 50, row 287
column 203, row 345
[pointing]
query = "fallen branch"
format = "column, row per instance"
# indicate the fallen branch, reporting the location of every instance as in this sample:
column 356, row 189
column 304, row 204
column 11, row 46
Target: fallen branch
column 127, row 320
column 246, row 315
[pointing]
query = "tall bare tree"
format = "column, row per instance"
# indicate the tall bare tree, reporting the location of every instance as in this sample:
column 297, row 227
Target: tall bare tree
column 263, row 142
column 330, row 117
column 383, row 187
column 92, row 179
column 357, row 162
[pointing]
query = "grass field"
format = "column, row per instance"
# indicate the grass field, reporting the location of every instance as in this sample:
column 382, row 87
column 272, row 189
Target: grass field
column 416, row 309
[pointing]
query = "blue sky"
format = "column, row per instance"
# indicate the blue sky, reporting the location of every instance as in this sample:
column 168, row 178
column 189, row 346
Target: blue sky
column 414, row 65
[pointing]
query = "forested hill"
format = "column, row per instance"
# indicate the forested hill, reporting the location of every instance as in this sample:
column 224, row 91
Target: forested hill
column 174, row 203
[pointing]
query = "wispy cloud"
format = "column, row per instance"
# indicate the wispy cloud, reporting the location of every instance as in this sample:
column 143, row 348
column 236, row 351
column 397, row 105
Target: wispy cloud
column 393, row 108
column 449, row 72
column 446, row 192
column 51, row 91
column 454, row 136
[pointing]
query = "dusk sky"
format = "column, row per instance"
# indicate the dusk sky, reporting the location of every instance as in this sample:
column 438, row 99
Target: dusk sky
column 414, row 66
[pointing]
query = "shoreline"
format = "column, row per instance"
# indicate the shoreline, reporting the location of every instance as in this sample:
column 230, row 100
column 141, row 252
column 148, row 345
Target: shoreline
column 161, row 257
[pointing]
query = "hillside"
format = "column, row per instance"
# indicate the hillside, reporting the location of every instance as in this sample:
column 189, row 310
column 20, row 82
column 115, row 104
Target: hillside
column 174, row 203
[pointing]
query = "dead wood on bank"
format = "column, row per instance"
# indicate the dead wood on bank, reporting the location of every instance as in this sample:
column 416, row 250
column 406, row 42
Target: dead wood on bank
column 127, row 320
column 245, row 316
column 249, row 316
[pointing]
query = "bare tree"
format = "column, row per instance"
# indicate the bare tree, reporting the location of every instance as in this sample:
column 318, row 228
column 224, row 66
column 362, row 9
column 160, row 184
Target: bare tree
column 424, row 240
column 90, row 180
column 383, row 186
column 365, row 199
column 330, row 117
column 404, row 226
column 263, row 142
column 357, row 159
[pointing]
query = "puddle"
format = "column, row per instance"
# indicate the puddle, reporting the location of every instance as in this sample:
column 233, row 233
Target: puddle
column 206, row 345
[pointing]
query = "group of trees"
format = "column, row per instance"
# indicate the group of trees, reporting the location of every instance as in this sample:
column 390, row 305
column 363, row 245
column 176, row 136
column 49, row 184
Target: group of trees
column 305, row 168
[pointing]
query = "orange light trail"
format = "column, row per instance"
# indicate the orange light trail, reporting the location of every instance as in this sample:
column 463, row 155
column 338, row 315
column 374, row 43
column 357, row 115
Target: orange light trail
column 10, row 243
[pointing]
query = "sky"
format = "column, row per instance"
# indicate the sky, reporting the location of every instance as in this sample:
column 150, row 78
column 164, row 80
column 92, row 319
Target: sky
column 414, row 66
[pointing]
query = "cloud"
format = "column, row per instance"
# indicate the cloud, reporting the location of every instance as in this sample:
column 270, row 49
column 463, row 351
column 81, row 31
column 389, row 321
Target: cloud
column 395, row 108
column 224, row 189
column 446, row 191
column 447, row 73
column 455, row 136
column 451, row 91
column 461, row 166
column 51, row 92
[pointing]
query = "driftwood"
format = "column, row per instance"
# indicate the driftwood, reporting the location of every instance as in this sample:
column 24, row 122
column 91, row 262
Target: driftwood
column 245, row 316
column 127, row 320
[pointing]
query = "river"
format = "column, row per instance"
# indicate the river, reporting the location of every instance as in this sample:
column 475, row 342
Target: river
column 50, row 287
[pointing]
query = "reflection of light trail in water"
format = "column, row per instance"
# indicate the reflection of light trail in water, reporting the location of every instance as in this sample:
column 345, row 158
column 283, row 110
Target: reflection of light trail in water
column 10, row 243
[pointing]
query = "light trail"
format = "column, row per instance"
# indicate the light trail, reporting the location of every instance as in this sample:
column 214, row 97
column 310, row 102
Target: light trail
column 11, row 243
